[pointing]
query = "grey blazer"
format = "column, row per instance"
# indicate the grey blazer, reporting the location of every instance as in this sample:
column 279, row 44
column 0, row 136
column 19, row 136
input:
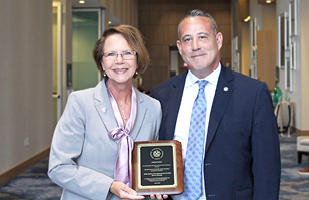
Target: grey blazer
column 83, row 156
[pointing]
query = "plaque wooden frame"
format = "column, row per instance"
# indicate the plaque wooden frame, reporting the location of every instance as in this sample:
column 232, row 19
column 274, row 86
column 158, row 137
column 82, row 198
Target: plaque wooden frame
column 155, row 175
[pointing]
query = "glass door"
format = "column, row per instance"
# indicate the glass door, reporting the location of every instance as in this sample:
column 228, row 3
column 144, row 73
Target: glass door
column 87, row 28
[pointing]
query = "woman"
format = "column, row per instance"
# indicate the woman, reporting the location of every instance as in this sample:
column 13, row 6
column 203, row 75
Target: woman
column 91, row 149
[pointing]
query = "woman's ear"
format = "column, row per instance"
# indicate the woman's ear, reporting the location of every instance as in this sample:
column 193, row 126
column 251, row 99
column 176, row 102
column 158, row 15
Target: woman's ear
column 102, row 65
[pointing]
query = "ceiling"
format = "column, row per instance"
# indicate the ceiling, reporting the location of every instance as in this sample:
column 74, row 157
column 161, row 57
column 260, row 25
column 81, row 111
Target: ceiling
column 96, row 4
column 87, row 4
column 264, row 2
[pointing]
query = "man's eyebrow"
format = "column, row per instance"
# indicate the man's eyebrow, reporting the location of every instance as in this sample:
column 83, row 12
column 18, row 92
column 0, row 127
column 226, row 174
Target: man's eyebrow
column 199, row 33
column 202, row 33
column 187, row 35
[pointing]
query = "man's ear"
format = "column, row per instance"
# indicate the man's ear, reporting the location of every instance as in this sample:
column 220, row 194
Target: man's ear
column 219, row 38
column 179, row 47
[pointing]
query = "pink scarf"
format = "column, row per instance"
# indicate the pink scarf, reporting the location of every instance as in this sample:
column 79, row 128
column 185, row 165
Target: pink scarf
column 123, row 172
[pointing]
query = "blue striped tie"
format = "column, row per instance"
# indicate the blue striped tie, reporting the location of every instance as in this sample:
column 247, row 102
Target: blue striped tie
column 195, row 147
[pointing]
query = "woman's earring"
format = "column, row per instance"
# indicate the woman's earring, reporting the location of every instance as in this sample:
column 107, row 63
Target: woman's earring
column 104, row 75
column 136, row 73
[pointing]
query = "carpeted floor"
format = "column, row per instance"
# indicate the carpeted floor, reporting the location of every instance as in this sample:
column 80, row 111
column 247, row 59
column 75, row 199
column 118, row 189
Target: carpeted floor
column 293, row 186
column 34, row 184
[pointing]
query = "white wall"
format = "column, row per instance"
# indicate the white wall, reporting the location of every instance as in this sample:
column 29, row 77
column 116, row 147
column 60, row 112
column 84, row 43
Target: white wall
column 25, row 80
column 256, row 12
column 303, row 50
column 300, row 93
column 269, row 17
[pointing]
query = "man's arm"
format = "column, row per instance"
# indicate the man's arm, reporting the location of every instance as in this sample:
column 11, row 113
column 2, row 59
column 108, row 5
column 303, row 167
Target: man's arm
column 266, row 165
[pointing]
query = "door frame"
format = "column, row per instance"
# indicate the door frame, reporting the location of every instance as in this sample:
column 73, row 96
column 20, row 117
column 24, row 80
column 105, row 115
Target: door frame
column 101, row 24
column 59, row 97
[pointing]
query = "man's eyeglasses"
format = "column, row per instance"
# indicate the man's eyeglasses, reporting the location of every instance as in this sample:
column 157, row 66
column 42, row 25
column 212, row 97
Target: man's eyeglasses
column 127, row 55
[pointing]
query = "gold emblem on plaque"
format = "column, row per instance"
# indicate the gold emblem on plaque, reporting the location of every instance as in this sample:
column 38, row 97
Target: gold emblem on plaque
column 156, row 154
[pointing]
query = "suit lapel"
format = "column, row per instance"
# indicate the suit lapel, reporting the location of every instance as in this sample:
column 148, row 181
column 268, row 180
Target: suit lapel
column 223, row 93
column 173, row 105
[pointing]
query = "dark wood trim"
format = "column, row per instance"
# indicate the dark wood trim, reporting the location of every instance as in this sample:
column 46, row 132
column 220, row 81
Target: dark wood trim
column 15, row 171
column 299, row 132
column 173, row 48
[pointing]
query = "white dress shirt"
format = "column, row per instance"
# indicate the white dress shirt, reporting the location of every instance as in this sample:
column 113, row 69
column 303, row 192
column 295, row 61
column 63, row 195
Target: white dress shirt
column 190, row 93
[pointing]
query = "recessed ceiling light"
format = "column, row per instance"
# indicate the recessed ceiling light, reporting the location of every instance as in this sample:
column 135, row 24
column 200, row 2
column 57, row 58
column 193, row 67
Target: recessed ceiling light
column 81, row 2
column 268, row 1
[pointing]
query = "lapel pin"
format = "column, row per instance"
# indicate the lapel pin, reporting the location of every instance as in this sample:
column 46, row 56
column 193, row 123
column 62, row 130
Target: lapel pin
column 226, row 89
column 104, row 110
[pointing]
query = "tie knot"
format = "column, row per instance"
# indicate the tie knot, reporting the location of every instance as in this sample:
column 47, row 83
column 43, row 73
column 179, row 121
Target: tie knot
column 202, row 84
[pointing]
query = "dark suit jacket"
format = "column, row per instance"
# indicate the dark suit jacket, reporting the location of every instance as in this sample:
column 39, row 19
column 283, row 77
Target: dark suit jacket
column 242, row 158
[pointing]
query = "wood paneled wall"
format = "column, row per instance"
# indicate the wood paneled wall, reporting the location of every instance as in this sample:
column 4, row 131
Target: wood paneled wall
column 124, row 10
column 266, row 57
column 243, row 9
column 158, row 21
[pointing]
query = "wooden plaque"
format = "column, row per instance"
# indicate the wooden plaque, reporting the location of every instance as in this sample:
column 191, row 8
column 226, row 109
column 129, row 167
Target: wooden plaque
column 157, row 167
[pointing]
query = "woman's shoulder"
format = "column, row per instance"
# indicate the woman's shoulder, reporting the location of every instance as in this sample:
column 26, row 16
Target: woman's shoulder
column 149, row 101
column 81, row 95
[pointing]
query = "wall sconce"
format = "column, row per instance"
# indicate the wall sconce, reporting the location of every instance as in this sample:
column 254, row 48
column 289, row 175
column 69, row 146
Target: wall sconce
column 247, row 19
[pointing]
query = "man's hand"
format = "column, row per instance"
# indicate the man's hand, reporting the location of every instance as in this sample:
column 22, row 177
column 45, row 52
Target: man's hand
column 122, row 191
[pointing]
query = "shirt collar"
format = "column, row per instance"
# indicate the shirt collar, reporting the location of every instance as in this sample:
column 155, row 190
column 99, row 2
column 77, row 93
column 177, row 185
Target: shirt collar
column 211, row 78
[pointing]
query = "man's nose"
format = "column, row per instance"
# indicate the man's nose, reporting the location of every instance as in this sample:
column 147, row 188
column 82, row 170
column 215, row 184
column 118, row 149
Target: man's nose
column 195, row 44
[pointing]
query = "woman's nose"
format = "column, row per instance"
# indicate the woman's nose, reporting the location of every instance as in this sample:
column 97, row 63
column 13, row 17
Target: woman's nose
column 119, row 58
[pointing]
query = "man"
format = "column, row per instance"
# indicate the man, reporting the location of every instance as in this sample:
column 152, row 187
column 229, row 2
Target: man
column 240, row 156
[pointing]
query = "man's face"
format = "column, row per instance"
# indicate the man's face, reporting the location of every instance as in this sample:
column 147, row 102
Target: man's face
column 199, row 47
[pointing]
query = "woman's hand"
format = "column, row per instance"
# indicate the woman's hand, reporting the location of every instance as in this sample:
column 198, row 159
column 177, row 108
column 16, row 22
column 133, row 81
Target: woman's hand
column 159, row 196
column 123, row 191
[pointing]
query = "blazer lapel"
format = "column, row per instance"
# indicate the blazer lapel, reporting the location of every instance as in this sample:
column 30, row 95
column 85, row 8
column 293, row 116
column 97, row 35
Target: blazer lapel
column 104, row 107
column 140, row 115
column 105, row 110
column 223, row 93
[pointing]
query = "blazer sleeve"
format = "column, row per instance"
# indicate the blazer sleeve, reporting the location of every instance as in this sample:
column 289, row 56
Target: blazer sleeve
column 266, row 166
column 67, row 146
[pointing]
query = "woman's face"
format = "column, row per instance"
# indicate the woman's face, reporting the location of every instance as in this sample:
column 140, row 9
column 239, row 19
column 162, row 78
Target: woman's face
column 119, row 71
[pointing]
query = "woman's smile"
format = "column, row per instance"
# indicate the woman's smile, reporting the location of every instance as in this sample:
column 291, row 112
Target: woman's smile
column 120, row 70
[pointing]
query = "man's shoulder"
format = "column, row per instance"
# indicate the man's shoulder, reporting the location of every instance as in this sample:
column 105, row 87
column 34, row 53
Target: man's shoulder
column 152, row 102
column 238, row 77
column 243, row 79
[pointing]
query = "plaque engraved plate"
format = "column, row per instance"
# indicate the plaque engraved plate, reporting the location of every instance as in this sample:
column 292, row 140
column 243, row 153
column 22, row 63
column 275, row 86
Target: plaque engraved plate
column 157, row 167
